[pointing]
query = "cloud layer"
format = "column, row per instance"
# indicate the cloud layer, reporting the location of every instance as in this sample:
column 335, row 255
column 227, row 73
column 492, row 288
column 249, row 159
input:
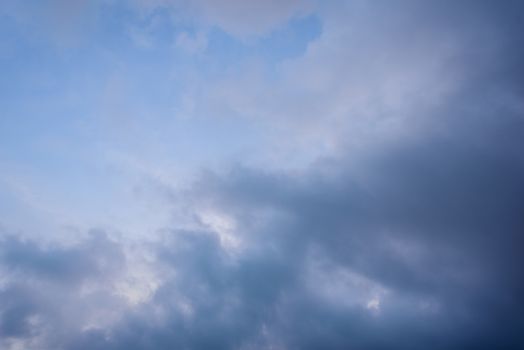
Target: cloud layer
column 401, row 227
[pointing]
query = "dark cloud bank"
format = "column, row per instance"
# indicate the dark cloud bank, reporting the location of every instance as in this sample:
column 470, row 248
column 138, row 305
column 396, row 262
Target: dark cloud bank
column 417, row 244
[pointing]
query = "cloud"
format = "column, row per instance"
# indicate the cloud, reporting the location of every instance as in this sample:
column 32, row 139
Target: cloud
column 411, row 238
column 191, row 43
column 63, row 24
column 375, row 72
column 244, row 19
column 50, row 292
column 241, row 19
column 412, row 245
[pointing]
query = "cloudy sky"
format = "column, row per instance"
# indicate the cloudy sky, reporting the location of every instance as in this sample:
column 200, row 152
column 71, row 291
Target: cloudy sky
column 261, row 174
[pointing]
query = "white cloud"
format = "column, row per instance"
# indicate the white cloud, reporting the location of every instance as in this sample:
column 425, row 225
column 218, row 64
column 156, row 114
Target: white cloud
column 191, row 43
column 250, row 18
column 241, row 19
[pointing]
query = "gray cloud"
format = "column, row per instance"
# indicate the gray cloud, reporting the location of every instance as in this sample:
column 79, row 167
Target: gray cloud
column 429, row 229
column 413, row 243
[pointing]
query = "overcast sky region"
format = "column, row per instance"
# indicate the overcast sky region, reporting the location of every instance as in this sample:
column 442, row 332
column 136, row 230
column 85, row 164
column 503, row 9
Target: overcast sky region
column 261, row 174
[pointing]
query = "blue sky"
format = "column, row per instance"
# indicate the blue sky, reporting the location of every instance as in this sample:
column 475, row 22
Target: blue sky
column 88, row 86
column 262, row 174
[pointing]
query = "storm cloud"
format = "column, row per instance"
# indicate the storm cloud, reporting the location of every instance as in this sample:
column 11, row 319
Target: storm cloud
column 402, row 228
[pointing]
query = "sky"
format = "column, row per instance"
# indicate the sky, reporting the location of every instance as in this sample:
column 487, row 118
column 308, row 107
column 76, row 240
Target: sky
column 261, row 174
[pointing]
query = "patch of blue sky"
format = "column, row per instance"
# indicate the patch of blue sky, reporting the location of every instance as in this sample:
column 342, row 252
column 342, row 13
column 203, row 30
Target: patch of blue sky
column 117, row 88
column 286, row 42
column 291, row 40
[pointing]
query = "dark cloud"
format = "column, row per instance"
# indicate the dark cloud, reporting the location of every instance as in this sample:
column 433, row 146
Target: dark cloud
column 50, row 291
column 70, row 265
column 434, row 222
column 415, row 243
column 433, row 219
